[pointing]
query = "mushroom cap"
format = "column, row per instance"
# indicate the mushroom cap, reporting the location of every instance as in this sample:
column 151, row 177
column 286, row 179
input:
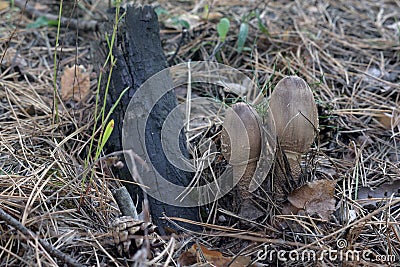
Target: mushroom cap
column 241, row 136
column 295, row 113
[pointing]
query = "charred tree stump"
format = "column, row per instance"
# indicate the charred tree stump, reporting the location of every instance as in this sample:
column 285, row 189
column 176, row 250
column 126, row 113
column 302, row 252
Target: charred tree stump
column 139, row 56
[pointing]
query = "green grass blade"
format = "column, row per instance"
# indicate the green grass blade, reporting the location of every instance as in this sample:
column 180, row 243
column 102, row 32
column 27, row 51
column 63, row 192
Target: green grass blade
column 243, row 32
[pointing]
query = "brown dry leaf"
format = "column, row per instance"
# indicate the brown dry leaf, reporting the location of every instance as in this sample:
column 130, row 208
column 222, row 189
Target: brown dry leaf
column 383, row 191
column 240, row 88
column 75, row 83
column 241, row 261
column 187, row 258
column 196, row 254
column 389, row 120
column 385, row 120
column 41, row 7
column 288, row 209
column 213, row 16
column 4, row 5
column 214, row 257
column 315, row 198
column 13, row 57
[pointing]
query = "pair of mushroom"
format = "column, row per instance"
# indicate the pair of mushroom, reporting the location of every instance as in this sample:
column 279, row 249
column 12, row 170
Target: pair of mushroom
column 295, row 120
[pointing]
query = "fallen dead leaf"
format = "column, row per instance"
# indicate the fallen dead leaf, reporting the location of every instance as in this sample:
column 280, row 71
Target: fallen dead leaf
column 187, row 258
column 13, row 57
column 41, row 7
column 240, row 89
column 385, row 120
column 212, row 16
column 383, row 191
column 4, row 5
column 288, row 208
column 389, row 120
column 316, row 197
column 197, row 254
column 369, row 198
column 75, row 83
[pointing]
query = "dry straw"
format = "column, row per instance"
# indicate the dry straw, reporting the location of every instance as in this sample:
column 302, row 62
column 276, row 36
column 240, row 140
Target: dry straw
column 347, row 51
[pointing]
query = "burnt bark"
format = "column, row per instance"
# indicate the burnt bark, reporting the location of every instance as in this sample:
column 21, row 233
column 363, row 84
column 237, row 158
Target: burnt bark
column 139, row 55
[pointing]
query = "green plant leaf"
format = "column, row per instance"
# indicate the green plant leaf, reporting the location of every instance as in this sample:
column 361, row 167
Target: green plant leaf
column 52, row 23
column 243, row 32
column 184, row 23
column 261, row 25
column 206, row 11
column 160, row 11
column 106, row 134
column 181, row 22
column 39, row 22
column 223, row 28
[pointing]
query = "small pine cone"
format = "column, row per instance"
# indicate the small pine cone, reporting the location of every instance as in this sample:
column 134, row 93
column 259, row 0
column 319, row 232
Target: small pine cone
column 128, row 234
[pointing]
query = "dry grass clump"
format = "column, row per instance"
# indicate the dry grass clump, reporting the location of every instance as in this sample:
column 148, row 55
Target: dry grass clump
column 41, row 166
column 347, row 51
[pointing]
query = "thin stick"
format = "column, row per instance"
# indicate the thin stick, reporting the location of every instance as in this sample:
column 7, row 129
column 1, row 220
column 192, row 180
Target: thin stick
column 369, row 216
column 46, row 245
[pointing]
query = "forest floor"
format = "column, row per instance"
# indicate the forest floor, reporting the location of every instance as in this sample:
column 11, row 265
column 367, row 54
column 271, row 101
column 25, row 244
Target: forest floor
column 347, row 51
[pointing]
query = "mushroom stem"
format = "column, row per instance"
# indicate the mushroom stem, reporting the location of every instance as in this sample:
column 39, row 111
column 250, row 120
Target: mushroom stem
column 246, row 176
column 287, row 169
